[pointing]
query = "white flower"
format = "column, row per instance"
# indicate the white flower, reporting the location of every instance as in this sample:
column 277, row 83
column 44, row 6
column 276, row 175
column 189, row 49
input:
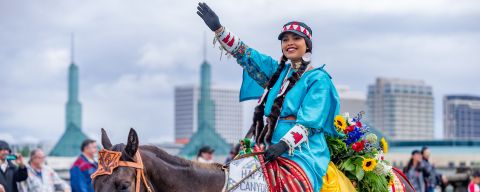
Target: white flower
column 379, row 156
column 348, row 118
column 371, row 138
column 387, row 169
column 382, row 168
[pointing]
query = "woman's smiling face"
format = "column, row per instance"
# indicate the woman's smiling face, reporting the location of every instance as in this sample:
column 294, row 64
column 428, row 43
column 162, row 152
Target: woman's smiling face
column 293, row 46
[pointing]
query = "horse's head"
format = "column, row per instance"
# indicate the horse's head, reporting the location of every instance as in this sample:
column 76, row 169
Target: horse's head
column 120, row 169
column 112, row 175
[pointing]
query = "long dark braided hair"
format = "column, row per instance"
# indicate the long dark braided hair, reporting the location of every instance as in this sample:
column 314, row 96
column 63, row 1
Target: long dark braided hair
column 262, row 132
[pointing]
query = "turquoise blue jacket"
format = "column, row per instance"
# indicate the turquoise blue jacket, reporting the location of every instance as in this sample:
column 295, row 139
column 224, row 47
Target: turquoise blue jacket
column 313, row 100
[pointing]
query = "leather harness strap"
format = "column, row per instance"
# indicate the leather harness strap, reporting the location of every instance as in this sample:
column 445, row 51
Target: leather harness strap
column 109, row 160
column 291, row 117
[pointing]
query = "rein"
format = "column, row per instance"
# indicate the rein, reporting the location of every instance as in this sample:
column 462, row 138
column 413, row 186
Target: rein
column 110, row 160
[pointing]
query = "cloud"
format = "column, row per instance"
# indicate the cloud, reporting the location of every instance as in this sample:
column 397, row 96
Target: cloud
column 167, row 56
column 7, row 137
column 132, row 54
column 133, row 86
column 29, row 139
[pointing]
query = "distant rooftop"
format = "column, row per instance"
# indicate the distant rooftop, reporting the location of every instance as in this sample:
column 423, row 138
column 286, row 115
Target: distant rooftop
column 437, row 143
column 401, row 81
column 213, row 87
column 429, row 143
column 345, row 93
column 462, row 97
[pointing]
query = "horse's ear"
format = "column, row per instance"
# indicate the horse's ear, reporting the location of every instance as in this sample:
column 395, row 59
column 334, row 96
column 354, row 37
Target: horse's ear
column 105, row 140
column 132, row 144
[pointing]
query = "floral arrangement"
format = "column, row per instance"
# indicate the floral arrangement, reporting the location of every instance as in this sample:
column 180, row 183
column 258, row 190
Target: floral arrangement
column 360, row 155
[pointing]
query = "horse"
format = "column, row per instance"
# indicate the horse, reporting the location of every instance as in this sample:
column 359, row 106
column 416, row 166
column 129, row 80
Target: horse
column 163, row 172
column 160, row 171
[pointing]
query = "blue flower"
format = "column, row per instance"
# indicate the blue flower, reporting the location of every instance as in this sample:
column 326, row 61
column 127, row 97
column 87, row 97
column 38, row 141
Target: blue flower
column 353, row 136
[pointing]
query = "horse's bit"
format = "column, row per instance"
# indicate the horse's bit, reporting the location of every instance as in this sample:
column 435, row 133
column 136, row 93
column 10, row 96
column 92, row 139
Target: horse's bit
column 110, row 160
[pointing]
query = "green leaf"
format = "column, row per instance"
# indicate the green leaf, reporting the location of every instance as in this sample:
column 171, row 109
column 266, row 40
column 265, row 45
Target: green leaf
column 358, row 161
column 348, row 165
column 337, row 148
column 373, row 182
column 359, row 173
column 342, row 165
column 350, row 176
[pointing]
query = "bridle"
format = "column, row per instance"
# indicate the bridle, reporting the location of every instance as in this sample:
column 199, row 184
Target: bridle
column 110, row 160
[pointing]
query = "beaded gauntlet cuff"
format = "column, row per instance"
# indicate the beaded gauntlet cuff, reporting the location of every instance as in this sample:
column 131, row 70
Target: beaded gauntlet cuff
column 295, row 137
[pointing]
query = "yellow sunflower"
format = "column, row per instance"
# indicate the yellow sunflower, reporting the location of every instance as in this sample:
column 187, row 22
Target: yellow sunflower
column 390, row 181
column 369, row 164
column 384, row 145
column 340, row 122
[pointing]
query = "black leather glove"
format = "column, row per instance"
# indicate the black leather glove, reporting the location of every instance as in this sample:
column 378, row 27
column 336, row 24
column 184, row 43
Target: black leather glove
column 275, row 150
column 210, row 18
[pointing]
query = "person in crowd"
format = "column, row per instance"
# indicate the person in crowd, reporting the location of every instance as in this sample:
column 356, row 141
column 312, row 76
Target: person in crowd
column 474, row 185
column 42, row 178
column 233, row 153
column 11, row 173
column 83, row 167
column 2, row 189
column 205, row 155
column 415, row 171
column 432, row 177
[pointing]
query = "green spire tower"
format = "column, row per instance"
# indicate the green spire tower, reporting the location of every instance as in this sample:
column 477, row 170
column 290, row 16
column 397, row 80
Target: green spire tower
column 74, row 107
column 71, row 140
column 206, row 106
column 205, row 134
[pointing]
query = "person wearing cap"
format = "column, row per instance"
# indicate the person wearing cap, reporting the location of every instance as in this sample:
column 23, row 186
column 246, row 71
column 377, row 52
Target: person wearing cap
column 205, row 154
column 11, row 173
column 474, row 185
column 297, row 98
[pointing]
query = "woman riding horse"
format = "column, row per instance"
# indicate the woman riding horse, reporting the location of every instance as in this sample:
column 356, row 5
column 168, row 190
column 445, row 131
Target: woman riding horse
column 299, row 100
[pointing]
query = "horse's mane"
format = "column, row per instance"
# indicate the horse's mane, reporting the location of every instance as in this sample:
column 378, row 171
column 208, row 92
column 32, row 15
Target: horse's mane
column 177, row 161
column 166, row 157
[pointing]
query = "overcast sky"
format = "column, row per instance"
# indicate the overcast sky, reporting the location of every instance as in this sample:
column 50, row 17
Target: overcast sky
column 132, row 53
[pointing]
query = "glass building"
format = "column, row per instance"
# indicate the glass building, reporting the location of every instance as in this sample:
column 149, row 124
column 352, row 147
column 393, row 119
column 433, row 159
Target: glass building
column 351, row 101
column 461, row 117
column 228, row 113
column 402, row 109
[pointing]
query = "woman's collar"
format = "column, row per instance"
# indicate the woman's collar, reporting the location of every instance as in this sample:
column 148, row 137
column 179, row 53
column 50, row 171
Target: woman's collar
column 309, row 67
